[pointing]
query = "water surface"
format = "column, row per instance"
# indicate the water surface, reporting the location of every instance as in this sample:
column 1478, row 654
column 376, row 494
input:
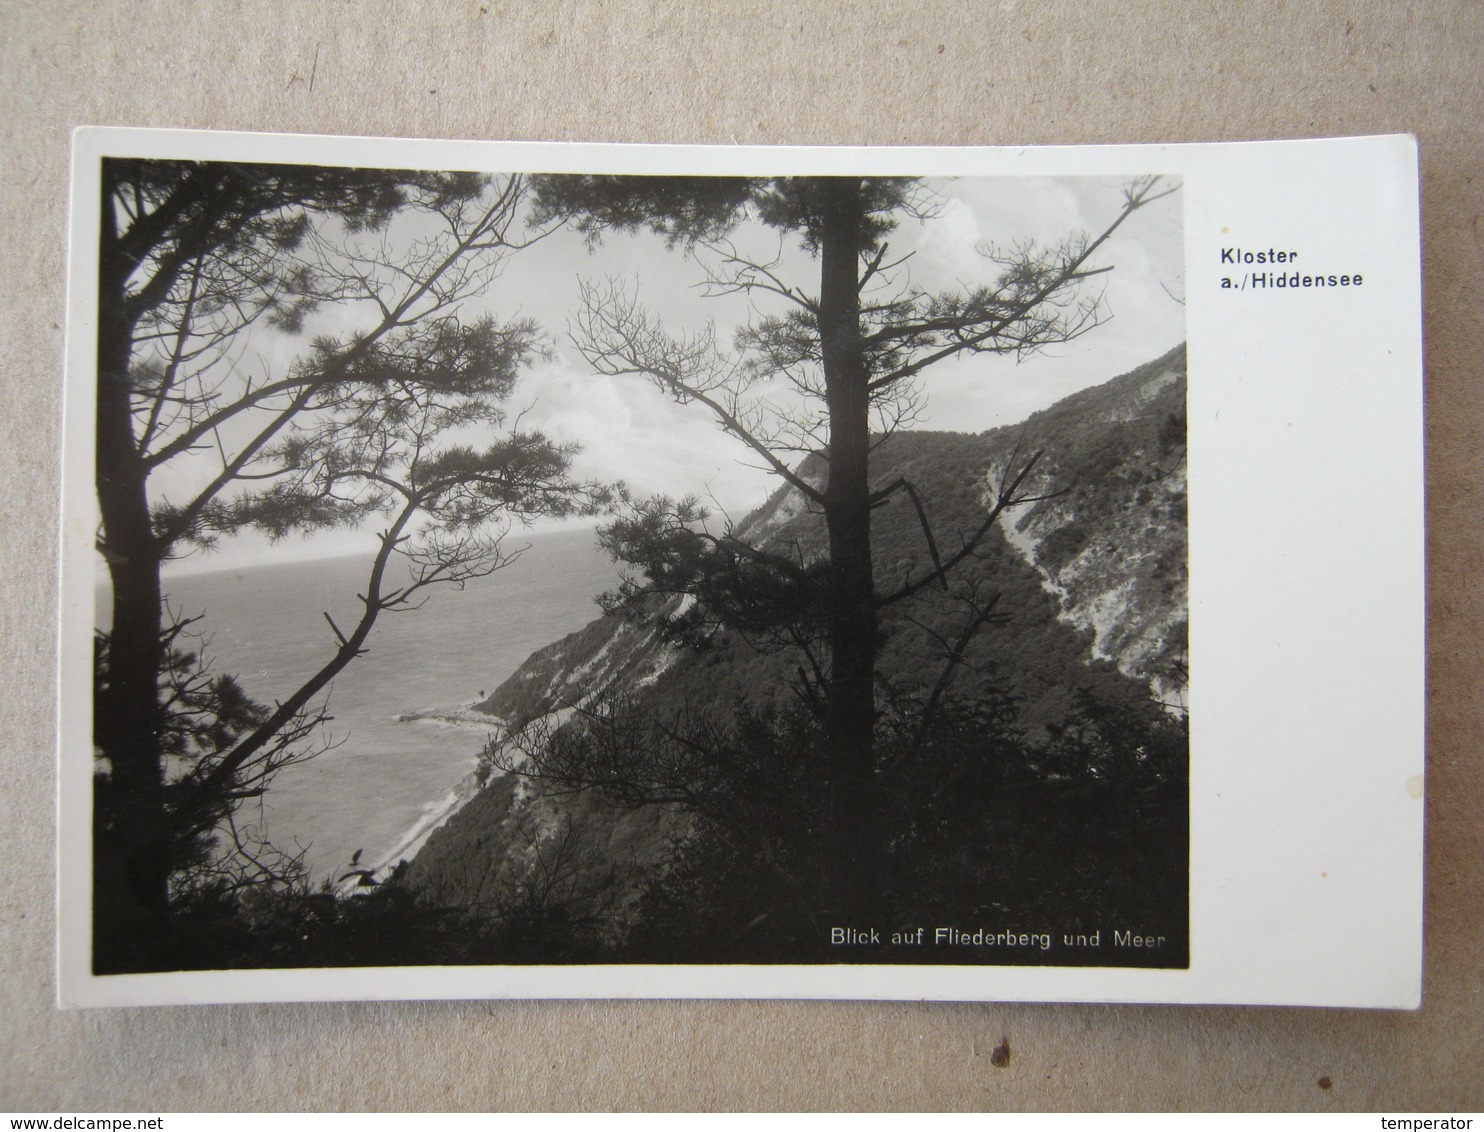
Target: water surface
column 385, row 777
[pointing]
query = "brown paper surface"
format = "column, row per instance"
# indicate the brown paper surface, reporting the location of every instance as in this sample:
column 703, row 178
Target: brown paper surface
column 757, row 73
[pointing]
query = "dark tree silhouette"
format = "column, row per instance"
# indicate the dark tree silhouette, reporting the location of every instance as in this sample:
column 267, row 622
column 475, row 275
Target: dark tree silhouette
column 851, row 343
column 362, row 424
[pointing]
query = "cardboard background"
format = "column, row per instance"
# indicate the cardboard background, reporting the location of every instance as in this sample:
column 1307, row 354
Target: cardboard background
column 748, row 72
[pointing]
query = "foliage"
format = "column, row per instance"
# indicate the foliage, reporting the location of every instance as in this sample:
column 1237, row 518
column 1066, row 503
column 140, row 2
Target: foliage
column 679, row 819
column 848, row 352
column 1019, row 784
column 983, row 824
column 209, row 274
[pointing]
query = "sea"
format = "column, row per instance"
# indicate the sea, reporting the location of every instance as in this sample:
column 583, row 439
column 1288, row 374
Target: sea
column 404, row 739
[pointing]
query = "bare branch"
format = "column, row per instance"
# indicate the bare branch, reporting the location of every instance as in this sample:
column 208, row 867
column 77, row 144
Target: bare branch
column 616, row 337
column 1010, row 317
column 927, row 531
column 1005, row 498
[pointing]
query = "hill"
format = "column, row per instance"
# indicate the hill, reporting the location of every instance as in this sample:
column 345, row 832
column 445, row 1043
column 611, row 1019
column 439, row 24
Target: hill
column 1080, row 602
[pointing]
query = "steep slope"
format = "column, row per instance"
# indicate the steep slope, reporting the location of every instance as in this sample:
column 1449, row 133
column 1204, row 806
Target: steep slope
column 1107, row 549
column 1088, row 587
column 1113, row 546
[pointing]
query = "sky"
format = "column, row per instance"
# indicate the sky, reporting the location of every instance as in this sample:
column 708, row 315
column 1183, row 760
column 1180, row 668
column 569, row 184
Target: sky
column 628, row 430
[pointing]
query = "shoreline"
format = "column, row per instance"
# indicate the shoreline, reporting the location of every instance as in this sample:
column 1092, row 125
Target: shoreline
column 410, row 841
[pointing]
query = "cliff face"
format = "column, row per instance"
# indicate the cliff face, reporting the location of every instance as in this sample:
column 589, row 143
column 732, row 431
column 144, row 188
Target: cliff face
column 1112, row 546
column 611, row 652
column 1088, row 585
column 1106, row 546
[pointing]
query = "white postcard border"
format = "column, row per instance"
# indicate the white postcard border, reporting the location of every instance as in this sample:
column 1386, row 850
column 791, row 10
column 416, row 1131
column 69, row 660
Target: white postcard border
column 1307, row 584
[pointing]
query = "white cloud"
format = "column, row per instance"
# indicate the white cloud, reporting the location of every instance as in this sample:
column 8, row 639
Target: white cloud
column 628, row 430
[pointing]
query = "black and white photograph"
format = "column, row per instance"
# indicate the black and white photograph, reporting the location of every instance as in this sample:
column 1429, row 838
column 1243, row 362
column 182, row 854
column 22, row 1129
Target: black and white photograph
column 520, row 568
column 761, row 556
column 648, row 571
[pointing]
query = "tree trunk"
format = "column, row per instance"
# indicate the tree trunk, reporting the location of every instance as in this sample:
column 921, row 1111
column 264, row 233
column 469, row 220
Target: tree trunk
column 131, row 851
column 850, row 711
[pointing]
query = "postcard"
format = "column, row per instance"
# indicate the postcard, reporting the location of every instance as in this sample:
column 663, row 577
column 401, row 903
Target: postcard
column 526, row 570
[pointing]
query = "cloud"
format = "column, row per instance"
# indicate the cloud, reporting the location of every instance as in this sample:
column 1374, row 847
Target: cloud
column 628, row 430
